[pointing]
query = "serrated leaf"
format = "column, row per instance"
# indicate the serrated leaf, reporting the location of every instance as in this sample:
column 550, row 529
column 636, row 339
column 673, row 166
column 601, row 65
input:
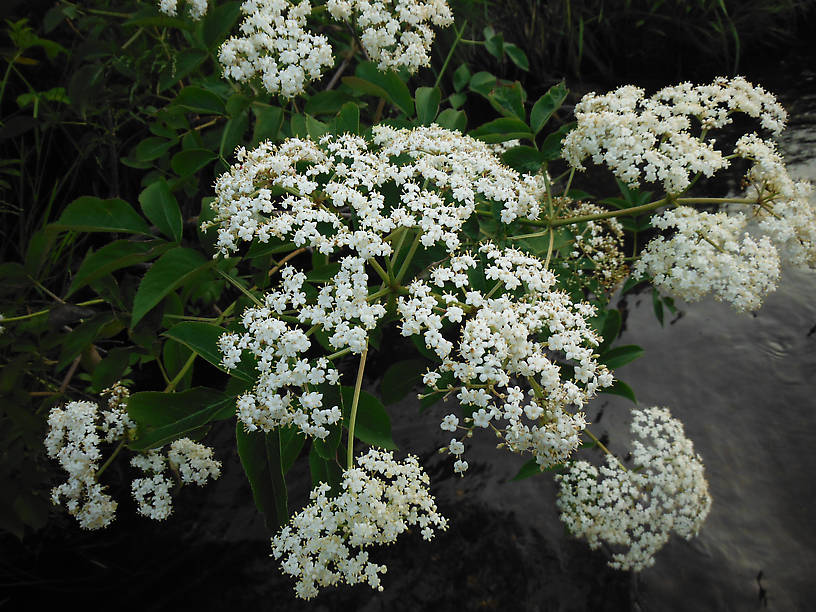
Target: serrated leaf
column 509, row 101
column 90, row 214
column 427, row 104
column 114, row 256
column 621, row 355
column 546, row 106
column 160, row 206
column 202, row 338
column 172, row 270
column 260, row 455
column 373, row 425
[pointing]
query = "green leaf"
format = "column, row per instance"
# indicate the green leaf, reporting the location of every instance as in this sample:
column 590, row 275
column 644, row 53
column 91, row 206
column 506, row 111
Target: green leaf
column 523, row 158
column 456, row 100
column 315, row 128
column 291, row 441
column 494, row 43
column 268, row 122
column 461, row 77
column 202, row 338
column 483, row 83
column 322, row 470
column 621, row 355
column 551, row 147
column 517, row 56
column 611, row 329
column 326, row 102
column 114, row 256
column 186, row 163
column 373, row 425
column 81, row 338
column 152, row 148
column 160, row 206
column 348, row 119
column 396, row 90
column 500, row 130
column 172, row 270
column 233, row 134
column 201, row 101
column 531, row 468
column 186, row 61
column 401, row 378
column 260, row 455
column 622, row 389
column 111, row 368
column 509, row 101
column 658, row 305
column 323, row 274
column 199, row 414
column 90, row 214
column 157, row 409
column 272, row 247
column 427, row 104
column 452, row 120
column 218, row 23
column 546, row 106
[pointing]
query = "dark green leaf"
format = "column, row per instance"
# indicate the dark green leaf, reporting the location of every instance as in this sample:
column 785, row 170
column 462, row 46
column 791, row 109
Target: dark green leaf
column 260, row 455
column 509, row 101
column 114, row 256
column 152, row 148
column 621, row 355
column 373, row 425
column 199, row 416
column 324, row 471
column 517, row 56
column 523, row 158
column 546, row 106
column 611, row 329
column 186, row 61
column 160, row 206
column 531, row 468
column 218, row 23
column 268, row 122
column 390, row 82
column 233, row 134
column 185, row 163
column 401, row 378
column 658, row 305
column 292, row 441
column 620, row 388
column 323, row 274
column 110, row 369
column 453, row 120
column 551, row 147
column 202, row 338
column 81, row 338
column 90, row 214
column 483, row 83
column 172, row 270
column 461, row 77
column 348, row 119
column 326, row 102
column 201, row 101
column 157, row 409
column 427, row 104
column 501, row 130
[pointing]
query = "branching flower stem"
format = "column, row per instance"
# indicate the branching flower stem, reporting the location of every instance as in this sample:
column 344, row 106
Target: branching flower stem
column 354, row 402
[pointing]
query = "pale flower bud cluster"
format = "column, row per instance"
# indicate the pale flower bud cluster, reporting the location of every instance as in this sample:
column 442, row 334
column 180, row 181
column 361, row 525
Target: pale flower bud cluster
column 285, row 392
column 526, row 333
column 306, row 192
column 706, row 255
column 73, row 439
column 395, row 33
column 196, row 8
column 653, row 138
column 193, row 462
column 638, row 509
column 327, row 542
column 276, row 46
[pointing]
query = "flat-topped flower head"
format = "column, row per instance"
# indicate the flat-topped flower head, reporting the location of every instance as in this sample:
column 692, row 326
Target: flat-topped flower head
column 196, row 8
column 520, row 329
column 706, row 254
column 395, row 33
column 638, row 509
column 426, row 179
column 277, row 47
column 328, row 541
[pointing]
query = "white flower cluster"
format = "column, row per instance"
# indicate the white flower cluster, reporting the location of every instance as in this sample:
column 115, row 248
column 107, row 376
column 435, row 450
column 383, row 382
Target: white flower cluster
column 639, row 508
column 305, row 192
column 279, row 348
column 73, row 439
column 785, row 211
column 528, row 332
column 706, row 254
column 196, row 8
column 326, row 542
column 651, row 138
column 276, row 46
column 192, row 461
column 395, row 33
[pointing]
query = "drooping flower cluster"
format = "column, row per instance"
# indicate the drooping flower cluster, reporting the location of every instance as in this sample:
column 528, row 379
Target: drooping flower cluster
column 193, row 462
column 653, row 138
column 286, row 390
column 528, row 332
column 276, row 46
column 304, row 191
column 395, row 33
column 196, row 8
column 706, row 254
column 326, row 543
column 638, row 509
column 73, row 439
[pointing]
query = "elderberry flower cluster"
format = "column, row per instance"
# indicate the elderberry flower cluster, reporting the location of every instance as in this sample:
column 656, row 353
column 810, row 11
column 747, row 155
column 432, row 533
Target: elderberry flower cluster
column 196, row 8
column 193, row 462
column 653, row 138
column 527, row 332
column 73, row 439
column 326, row 543
column 306, row 192
column 276, row 46
column 395, row 33
column 638, row 509
column 286, row 389
column 706, row 254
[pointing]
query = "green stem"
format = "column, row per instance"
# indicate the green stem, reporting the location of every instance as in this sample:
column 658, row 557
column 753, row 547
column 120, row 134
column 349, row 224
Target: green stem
column 243, row 289
column 450, row 54
column 379, row 270
column 339, row 353
column 354, row 402
column 110, row 459
column 171, row 386
column 404, row 269
column 549, row 248
column 604, row 449
column 46, row 311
